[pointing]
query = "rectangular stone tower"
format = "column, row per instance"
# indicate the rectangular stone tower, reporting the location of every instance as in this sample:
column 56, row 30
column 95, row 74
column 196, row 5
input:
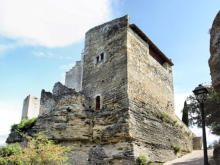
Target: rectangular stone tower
column 31, row 107
column 128, row 77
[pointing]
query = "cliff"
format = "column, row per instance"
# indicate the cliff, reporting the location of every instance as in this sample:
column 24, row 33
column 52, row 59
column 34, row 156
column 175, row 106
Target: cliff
column 214, row 61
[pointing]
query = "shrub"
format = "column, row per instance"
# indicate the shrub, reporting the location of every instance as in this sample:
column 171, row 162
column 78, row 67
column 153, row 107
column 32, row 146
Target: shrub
column 141, row 160
column 24, row 125
column 164, row 117
column 10, row 149
column 39, row 150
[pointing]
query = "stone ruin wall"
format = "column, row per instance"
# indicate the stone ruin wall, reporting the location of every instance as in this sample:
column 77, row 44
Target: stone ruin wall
column 73, row 78
column 97, row 136
column 31, row 106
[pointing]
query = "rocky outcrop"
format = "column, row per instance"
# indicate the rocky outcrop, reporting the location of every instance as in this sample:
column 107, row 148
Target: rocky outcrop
column 214, row 61
column 105, row 137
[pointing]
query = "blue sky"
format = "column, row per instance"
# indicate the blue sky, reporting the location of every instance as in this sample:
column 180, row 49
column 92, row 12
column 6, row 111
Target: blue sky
column 41, row 40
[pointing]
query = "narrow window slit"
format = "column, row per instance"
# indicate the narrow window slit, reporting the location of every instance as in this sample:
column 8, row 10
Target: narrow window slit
column 97, row 103
column 102, row 56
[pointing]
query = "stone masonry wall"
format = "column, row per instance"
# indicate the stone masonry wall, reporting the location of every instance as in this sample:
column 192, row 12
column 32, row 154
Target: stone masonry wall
column 97, row 136
column 107, row 78
column 31, row 107
column 153, row 125
column 73, row 78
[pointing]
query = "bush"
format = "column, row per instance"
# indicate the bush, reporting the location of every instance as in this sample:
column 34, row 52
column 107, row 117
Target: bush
column 10, row 149
column 24, row 125
column 165, row 117
column 39, row 150
column 141, row 160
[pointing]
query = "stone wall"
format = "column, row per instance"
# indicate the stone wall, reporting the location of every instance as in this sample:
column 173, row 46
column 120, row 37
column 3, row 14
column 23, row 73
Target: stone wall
column 31, row 107
column 106, row 78
column 73, row 78
column 97, row 136
column 153, row 125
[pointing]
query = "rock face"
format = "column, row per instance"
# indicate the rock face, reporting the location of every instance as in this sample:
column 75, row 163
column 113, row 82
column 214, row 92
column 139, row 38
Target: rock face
column 214, row 61
column 126, row 106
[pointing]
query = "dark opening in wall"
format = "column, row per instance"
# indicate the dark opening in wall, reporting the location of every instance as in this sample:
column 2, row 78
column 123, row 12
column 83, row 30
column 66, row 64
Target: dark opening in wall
column 97, row 59
column 97, row 101
column 102, row 56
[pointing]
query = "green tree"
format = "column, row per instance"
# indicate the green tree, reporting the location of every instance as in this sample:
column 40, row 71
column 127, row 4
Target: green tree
column 212, row 111
column 185, row 117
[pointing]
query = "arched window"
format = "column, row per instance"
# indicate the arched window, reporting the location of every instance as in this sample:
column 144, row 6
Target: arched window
column 97, row 103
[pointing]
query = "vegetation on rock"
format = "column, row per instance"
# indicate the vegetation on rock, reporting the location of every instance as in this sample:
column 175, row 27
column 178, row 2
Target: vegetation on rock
column 24, row 125
column 39, row 150
column 141, row 160
column 176, row 149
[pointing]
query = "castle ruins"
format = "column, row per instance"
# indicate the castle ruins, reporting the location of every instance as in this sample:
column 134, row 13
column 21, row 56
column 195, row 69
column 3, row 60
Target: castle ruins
column 124, row 104
column 31, row 107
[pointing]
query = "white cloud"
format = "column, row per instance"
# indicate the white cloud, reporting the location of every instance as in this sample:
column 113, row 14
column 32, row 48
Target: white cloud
column 51, row 23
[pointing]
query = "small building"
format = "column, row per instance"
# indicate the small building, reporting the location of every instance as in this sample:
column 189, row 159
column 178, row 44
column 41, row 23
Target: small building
column 31, row 107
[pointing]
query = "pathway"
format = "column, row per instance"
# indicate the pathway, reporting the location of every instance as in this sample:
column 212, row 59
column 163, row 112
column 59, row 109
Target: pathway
column 194, row 158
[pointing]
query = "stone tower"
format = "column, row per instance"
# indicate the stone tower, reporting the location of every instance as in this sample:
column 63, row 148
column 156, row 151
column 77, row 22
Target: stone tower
column 124, row 72
column 105, row 65
column 31, row 107
column 126, row 106
column 124, row 68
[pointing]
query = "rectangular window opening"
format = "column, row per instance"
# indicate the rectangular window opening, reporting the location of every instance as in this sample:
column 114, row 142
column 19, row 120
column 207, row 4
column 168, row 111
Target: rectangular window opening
column 102, row 56
column 97, row 59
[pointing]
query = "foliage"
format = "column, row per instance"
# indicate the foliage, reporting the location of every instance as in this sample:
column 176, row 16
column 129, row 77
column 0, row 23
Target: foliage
column 176, row 149
column 10, row 150
column 74, row 90
column 39, row 150
column 211, row 107
column 141, row 160
column 185, row 117
column 24, row 125
column 165, row 117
